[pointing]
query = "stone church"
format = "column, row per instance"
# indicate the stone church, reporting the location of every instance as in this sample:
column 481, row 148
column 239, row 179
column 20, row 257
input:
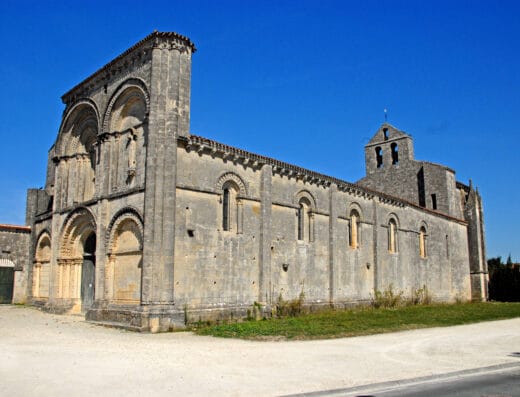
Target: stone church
column 144, row 225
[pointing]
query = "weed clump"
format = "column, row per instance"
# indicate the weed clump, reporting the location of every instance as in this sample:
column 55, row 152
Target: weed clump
column 390, row 298
column 291, row 308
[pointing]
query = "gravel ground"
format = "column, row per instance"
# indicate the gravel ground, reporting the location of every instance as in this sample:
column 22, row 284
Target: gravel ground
column 58, row 355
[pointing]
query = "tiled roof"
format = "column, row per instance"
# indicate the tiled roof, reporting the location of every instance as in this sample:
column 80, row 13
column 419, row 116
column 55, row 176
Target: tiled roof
column 15, row 228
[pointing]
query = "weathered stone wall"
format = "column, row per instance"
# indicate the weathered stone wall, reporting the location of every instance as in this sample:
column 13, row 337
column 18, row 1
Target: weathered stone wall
column 14, row 247
column 222, row 269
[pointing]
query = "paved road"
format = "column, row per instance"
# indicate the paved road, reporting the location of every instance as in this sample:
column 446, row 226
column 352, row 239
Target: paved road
column 50, row 355
column 496, row 381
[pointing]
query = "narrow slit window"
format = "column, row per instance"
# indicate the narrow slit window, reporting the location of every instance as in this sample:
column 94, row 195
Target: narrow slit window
column 434, row 201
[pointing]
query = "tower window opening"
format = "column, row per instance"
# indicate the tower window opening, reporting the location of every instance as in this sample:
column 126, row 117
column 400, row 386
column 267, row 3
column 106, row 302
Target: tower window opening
column 379, row 157
column 385, row 133
column 395, row 153
column 434, row 201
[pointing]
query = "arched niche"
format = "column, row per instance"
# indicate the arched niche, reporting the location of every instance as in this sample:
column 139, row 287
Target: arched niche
column 123, row 273
column 41, row 266
column 125, row 123
column 77, row 154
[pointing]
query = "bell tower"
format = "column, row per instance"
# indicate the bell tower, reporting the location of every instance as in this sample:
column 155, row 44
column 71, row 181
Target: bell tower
column 389, row 147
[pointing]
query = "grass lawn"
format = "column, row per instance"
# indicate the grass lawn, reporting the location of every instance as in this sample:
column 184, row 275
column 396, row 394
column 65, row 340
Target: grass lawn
column 341, row 323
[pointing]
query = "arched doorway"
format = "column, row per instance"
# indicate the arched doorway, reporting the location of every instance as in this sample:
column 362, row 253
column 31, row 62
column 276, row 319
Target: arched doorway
column 77, row 261
column 88, row 273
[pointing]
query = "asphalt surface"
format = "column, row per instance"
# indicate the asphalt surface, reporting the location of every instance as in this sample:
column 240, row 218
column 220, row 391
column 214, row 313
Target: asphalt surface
column 499, row 380
column 51, row 355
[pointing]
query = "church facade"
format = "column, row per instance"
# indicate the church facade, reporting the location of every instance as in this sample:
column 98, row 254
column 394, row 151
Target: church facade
column 145, row 225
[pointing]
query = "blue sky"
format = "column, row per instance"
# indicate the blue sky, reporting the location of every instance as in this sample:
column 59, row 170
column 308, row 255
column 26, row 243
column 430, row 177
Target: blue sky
column 280, row 77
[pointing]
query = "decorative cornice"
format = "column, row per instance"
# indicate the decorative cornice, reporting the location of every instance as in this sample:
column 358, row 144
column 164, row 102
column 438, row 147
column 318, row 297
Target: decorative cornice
column 207, row 146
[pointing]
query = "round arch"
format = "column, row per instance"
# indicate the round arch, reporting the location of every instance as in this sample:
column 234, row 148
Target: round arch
column 41, row 266
column 83, row 113
column 77, row 227
column 228, row 177
column 305, row 195
column 127, row 93
column 123, row 272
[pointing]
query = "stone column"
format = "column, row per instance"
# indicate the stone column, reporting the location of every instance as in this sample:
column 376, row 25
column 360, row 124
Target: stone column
column 114, row 163
column 168, row 119
column 36, row 280
column 264, row 289
column 333, row 220
column 375, row 244
column 103, row 216
column 77, row 278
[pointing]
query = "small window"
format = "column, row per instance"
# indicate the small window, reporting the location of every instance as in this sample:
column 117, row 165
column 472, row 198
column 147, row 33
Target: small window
column 434, row 201
column 379, row 157
column 354, row 229
column 422, row 242
column 385, row 133
column 392, row 236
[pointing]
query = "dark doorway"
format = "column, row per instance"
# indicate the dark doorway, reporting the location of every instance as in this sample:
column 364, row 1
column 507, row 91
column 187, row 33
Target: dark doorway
column 6, row 284
column 88, row 273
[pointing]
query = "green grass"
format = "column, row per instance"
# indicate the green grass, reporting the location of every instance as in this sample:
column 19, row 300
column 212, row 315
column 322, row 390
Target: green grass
column 367, row 321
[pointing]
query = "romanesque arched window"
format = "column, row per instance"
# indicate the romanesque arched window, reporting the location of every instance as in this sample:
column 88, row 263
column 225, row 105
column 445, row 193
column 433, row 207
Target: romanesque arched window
column 304, row 220
column 422, row 242
column 231, row 189
column 305, row 205
column 392, row 236
column 230, row 207
column 354, row 229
